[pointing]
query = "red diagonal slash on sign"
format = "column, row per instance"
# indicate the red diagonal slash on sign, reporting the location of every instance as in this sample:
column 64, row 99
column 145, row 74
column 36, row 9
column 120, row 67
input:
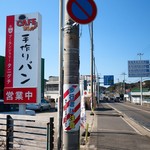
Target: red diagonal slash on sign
column 82, row 9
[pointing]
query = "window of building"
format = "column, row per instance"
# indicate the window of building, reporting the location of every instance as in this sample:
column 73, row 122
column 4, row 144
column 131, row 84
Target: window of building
column 52, row 87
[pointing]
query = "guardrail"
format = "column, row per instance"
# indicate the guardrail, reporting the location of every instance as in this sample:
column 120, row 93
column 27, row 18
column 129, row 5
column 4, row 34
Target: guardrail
column 18, row 134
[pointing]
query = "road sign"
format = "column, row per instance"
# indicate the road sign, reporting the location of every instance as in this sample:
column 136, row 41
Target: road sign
column 108, row 80
column 139, row 68
column 82, row 11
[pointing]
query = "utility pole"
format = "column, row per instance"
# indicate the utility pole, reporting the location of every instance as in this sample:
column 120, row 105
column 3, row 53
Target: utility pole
column 71, row 134
column 124, row 88
column 141, row 90
column 119, row 86
column 98, row 89
column 94, row 76
column 91, row 38
column 60, row 99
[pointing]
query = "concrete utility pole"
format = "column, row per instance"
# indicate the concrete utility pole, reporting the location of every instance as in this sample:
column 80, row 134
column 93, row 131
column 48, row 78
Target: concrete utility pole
column 141, row 89
column 71, row 139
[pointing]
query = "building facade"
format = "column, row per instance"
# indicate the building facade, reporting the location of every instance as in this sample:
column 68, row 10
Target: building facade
column 52, row 88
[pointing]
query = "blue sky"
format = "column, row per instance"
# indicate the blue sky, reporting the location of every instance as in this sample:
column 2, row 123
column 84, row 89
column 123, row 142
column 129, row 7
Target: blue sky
column 121, row 30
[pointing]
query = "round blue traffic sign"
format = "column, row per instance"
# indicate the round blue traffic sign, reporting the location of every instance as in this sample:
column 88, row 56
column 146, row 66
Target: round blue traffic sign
column 82, row 11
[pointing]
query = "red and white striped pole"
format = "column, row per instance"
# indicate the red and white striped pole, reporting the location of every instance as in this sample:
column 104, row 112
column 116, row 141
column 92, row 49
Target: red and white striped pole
column 71, row 107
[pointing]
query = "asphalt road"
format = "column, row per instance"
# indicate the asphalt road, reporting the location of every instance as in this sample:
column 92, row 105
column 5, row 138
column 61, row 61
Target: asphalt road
column 139, row 114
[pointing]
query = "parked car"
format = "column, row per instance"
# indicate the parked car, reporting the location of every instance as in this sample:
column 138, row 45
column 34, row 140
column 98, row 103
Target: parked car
column 8, row 107
column 52, row 102
column 117, row 99
column 44, row 105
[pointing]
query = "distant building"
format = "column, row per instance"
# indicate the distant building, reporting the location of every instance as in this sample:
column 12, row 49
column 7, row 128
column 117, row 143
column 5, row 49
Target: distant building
column 51, row 88
column 87, row 87
column 136, row 95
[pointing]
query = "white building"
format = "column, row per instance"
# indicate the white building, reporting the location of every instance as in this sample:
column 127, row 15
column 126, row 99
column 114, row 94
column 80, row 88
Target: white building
column 51, row 88
column 135, row 96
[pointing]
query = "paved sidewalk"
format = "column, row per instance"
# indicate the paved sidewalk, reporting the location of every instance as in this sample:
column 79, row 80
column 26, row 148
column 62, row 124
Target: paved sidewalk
column 110, row 131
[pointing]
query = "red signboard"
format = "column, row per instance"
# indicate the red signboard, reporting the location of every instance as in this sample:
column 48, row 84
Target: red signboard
column 9, row 60
column 20, row 95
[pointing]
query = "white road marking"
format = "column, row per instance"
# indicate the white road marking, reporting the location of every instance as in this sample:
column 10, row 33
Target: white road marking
column 132, row 127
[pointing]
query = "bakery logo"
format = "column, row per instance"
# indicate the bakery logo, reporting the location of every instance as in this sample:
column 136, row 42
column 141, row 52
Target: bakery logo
column 27, row 24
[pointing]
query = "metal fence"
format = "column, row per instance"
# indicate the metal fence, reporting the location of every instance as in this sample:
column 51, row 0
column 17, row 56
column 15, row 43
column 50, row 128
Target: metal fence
column 26, row 134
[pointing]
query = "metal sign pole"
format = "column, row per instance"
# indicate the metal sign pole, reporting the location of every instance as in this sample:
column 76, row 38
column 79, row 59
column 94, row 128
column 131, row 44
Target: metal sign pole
column 140, row 54
column 141, row 90
column 92, row 97
column 60, row 99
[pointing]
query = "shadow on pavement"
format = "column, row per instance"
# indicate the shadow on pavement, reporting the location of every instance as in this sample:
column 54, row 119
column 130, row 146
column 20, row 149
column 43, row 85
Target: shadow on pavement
column 101, row 133
column 103, row 109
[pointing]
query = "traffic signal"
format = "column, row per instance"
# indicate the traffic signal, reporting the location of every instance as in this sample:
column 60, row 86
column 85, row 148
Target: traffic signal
column 85, row 84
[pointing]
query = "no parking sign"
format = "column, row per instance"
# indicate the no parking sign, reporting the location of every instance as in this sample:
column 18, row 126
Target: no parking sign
column 82, row 11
